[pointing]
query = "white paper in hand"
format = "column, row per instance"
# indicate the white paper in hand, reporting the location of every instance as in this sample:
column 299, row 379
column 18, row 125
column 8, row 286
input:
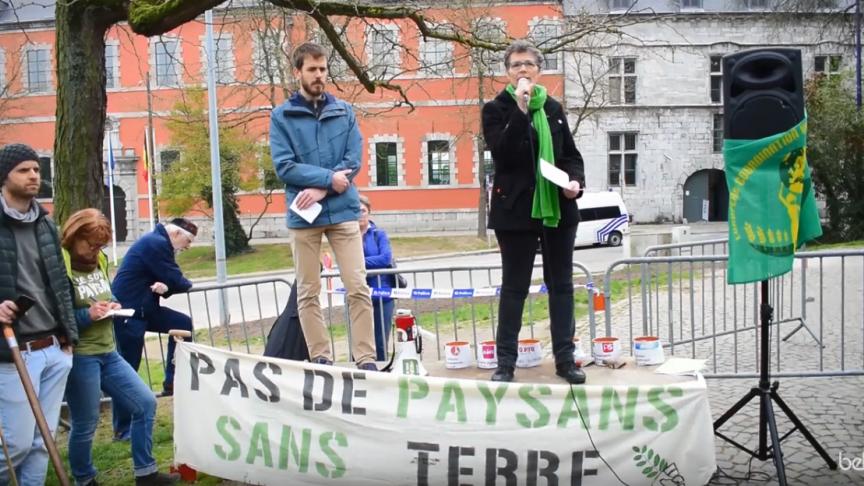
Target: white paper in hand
column 120, row 312
column 309, row 214
column 554, row 174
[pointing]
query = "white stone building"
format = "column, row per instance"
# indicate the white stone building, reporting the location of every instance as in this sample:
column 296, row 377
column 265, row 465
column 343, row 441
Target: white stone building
column 653, row 98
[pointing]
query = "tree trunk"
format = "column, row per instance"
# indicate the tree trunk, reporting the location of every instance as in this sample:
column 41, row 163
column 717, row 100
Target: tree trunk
column 81, row 98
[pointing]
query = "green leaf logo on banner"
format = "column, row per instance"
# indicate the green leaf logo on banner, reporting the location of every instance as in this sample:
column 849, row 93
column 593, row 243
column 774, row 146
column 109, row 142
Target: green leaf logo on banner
column 772, row 208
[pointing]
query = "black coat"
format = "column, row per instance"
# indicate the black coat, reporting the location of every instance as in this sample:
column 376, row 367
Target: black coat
column 506, row 132
column 53, row 274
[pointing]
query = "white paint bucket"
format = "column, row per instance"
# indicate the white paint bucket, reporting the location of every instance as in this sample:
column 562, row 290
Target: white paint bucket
column 648, row 350
column 606, row 349
column 579, row 356
column 530, row 353
column 488, row 356
column 457, row 354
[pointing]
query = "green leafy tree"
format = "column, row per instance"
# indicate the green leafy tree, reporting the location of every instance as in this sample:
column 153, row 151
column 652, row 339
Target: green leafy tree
column 835, row 151
column 187, row 183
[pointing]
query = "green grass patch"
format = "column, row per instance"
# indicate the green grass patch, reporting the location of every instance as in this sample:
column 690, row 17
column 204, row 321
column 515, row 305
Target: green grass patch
column 200, row 261
column 830, row 246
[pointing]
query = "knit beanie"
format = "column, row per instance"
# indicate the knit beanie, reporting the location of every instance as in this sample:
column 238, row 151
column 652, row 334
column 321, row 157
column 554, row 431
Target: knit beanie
column 12, row 155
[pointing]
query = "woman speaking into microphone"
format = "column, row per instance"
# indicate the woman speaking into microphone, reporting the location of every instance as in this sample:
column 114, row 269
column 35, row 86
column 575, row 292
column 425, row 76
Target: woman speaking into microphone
column 522, row 126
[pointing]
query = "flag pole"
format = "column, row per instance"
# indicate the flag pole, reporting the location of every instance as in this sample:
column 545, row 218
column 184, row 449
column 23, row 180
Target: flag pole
column 111, row 198
column 148, row 160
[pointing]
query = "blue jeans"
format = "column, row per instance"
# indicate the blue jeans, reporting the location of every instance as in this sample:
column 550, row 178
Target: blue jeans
column 129, row 334
column 382, row 312
column 112, row 374
column 48, row 369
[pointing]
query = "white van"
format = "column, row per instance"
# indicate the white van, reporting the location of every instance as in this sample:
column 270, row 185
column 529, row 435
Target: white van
column 603, row 219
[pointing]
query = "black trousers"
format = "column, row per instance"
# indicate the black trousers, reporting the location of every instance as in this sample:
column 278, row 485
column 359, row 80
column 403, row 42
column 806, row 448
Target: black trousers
column 518, row 249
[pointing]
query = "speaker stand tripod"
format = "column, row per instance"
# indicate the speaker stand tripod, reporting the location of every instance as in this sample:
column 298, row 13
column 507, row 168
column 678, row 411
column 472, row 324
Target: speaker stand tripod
column 767, row 392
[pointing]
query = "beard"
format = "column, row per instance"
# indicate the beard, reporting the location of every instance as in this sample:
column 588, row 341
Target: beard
column 316, row 88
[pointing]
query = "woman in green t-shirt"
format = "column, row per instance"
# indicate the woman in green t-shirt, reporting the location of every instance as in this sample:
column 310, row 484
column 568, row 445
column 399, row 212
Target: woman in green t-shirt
column 96, row 365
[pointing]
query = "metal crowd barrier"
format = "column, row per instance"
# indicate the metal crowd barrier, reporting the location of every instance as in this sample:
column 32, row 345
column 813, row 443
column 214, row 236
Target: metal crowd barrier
column 818, row 326
column 692, row 248
column 440, row 301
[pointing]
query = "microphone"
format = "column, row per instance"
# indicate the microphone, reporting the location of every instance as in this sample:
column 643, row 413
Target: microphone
column 523, row 84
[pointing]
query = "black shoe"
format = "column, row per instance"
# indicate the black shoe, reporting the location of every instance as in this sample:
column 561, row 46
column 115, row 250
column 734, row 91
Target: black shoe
column 157, row 479
column 167, row 390
column 570, row 372
column 322, row 361
column 503, row 373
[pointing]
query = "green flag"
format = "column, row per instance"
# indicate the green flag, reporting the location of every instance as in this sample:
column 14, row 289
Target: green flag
column 772, row 210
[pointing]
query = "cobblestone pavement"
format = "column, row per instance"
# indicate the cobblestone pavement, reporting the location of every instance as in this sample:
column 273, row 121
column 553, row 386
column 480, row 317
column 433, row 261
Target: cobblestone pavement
column 705, row 307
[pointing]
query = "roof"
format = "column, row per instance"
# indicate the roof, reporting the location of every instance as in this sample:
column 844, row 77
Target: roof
column 14, row 12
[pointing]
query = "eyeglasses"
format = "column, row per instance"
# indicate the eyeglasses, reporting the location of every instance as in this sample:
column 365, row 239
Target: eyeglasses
column 518, row 64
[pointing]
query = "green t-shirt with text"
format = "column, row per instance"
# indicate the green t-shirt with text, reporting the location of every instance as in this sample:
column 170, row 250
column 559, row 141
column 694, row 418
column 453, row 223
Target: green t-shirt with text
column 98, row 337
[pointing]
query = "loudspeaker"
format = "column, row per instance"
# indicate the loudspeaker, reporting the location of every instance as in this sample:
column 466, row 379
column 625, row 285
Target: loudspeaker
column 763, row 93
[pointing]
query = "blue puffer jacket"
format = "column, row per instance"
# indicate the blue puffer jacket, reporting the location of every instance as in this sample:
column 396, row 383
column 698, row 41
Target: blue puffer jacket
column 306, row 151
column 149, row 260
column 376, row 249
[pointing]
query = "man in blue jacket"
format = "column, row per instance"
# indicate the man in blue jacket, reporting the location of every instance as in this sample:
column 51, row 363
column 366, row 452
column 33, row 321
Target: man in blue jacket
column 149, row 272
column 316, row 149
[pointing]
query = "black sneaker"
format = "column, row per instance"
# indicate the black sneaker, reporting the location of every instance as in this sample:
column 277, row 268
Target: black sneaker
column 322, row 361
column 167, row 390
column 503, row 373
column 157, row 479
column 571, row 373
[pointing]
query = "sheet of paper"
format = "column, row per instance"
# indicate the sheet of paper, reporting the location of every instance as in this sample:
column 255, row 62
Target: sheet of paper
column 681, row 366
column 120, row 312
column 309, row 214
column 554, row 174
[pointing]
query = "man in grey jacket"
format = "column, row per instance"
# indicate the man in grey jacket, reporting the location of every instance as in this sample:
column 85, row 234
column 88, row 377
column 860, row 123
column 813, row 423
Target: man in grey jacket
column 316, row 149
column 31, row 264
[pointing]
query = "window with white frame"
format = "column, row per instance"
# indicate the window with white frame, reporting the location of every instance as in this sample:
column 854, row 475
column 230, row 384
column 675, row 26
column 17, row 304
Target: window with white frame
column 622, row 150
column 487, row 61
column 544, row 34
column 224, row 54
column 436, row 57
column 438, row 162
column 691, row 4
column 337, row 68
column 166, row 62
column 46, row 173
column 38, row 61
column 717, row 133
column 382, row 50
column 167, row 157
column 386, row 164
column 622, row 80
column 112, row 66
column 756, row 4
column 828, row 65
column 716, row 75
column 4, row 86
column 620, row 4
column 270, row 57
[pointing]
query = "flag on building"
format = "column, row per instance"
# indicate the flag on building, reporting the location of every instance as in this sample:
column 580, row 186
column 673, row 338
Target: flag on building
column 772, row 208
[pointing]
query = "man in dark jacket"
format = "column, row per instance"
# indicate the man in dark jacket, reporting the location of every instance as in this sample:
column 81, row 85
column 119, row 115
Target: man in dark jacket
column 149, row 272
column 31, row 264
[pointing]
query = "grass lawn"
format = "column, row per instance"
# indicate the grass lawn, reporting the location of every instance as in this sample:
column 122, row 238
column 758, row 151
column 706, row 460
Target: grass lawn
column 199, row 261
column 834, row 246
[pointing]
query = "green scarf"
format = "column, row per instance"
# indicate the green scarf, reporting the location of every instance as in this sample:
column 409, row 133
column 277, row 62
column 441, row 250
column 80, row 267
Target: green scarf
column 545, row 205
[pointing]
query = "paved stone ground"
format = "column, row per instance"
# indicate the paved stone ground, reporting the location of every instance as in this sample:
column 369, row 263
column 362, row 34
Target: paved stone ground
column 831, row 407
